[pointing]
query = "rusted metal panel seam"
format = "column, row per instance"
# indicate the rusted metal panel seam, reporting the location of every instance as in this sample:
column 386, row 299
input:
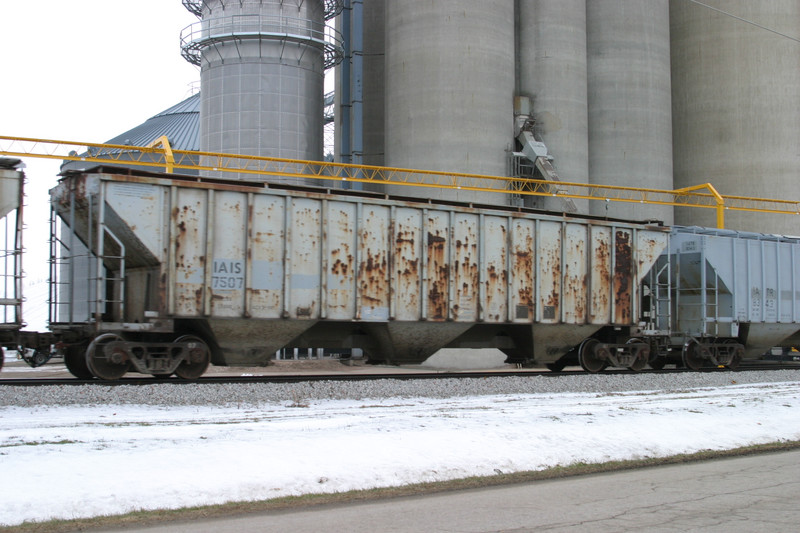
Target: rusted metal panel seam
column 537, row 291
column 510, row 280
column 562, row 282
column 172, row 251
column 795, row 275
column 209, row 251
column 287, row 254
column 248, row 263
column 590, row 256
column 451, row 268
column 391, row 250
column 482, row 266
column 323, row 269
column 612, row 274
column 423, row 278
column 360, row 242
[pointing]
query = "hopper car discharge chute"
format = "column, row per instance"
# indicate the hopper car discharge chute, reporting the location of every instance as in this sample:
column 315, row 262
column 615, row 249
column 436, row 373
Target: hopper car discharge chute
column 163, row 274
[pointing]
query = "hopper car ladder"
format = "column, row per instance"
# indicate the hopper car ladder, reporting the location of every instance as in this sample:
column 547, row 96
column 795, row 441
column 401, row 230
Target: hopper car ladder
column 103, row 260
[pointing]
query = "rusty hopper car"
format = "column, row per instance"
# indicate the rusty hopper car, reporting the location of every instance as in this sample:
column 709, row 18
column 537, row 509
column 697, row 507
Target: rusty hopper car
column 11, row 184
column 159, row 274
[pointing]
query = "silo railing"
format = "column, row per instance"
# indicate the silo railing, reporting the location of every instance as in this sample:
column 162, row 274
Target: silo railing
column 332, row 7
column 233, row 28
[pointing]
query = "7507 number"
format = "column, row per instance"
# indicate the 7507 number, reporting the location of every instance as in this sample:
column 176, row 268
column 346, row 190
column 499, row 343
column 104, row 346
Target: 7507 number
column 226, row 282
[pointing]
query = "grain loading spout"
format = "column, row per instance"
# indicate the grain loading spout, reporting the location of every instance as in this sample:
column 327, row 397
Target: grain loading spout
column 536, row 152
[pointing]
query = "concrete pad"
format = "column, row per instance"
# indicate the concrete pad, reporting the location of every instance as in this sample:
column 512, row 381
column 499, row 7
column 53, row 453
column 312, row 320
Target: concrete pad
column 466, row 359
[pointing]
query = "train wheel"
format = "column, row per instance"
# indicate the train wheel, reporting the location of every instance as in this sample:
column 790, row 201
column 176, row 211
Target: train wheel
column 641, row 361
column 75, row 361
column 109, row 367
column 658, row 363
column 691, row 356
column 587, row 356
column 199, row 357
column 556, row 366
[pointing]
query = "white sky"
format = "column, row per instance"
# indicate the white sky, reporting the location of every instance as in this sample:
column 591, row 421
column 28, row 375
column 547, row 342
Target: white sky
column 83, row 70
column 79, row 456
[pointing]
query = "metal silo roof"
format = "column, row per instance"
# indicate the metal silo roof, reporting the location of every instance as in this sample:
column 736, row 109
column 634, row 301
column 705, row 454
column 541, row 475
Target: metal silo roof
column 180, row 123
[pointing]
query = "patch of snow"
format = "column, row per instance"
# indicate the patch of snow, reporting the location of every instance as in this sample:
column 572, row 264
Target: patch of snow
column 76, row 461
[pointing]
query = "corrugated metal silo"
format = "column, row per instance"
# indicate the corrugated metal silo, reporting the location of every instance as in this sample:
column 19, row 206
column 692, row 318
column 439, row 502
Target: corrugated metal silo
column 449, row 88
column 262, row 64
column 630, row 117
column 552, row 72
column 736, row 106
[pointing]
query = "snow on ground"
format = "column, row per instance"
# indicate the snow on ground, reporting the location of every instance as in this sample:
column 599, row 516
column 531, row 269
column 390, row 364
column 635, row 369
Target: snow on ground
column 78, row 461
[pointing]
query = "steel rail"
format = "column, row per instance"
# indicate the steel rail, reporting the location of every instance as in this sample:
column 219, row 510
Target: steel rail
column 753, row 366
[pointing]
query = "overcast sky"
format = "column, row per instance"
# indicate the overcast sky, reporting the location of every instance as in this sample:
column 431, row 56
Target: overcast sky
column 84, row 70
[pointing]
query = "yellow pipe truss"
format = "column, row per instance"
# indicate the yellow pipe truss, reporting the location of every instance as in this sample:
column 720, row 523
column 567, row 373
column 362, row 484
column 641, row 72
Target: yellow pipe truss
column 160, row 155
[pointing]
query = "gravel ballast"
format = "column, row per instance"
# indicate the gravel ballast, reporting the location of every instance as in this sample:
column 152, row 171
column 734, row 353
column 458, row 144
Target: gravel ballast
column 167, row 394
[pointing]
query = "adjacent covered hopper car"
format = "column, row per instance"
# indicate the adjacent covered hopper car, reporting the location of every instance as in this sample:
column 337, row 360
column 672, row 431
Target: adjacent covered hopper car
column 11, row 193
column 717, row 296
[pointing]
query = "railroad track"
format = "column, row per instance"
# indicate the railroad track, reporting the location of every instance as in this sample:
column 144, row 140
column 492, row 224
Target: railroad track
column 411, row 375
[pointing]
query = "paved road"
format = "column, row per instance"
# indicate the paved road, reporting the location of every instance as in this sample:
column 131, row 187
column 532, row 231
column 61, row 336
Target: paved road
column 745, row 494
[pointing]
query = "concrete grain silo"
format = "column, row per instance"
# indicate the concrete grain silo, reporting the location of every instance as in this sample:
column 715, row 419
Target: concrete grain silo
column 374, row 76
column 736, row 105
column 449, row 89
column 552, row 73
column 261, row 73
column 630, row 113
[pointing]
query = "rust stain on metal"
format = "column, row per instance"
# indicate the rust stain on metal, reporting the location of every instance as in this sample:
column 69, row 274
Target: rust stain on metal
column 649, row 250
column 373, row 274
column 465, row 276
column 438, row 276
column 552, row 266
column 601, row 287
column 407, row 265
column 522, row 272
column 575, row 294
column 496, row 285
column 623, row 270
column 339, row 267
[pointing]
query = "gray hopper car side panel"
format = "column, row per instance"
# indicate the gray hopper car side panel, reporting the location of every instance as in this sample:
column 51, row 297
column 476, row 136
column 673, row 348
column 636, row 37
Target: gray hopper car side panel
column 750, row 278
column 264, row 265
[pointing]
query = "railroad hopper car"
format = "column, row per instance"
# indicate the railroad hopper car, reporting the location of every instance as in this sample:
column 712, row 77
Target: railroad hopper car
column 11, row 184
column 715, row 297
column 158, row 274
